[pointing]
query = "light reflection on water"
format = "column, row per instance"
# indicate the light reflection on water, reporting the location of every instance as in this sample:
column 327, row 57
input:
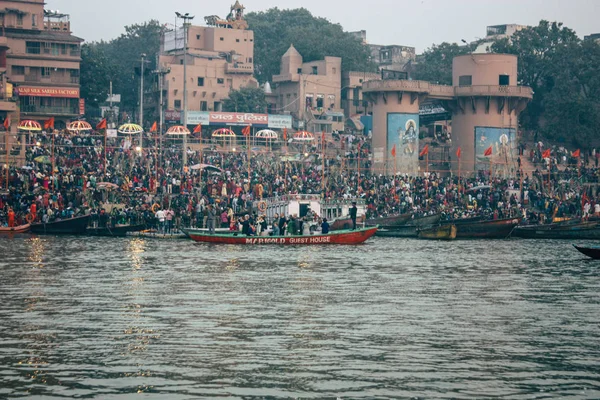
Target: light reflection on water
column 113, row 318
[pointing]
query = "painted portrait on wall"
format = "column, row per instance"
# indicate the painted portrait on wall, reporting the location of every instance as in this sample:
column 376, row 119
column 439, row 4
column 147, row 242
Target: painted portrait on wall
column 503, row 144
column 403, row 133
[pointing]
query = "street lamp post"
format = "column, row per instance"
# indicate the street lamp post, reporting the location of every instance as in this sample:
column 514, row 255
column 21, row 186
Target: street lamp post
column 142, row 102
column 186, row 18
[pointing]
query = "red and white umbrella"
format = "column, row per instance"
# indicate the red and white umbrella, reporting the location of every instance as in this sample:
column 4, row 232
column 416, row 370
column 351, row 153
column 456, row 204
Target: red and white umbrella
column 303, row 136
column 29, row 125
column 79, row 126
column 178, row 130
column 223, row 132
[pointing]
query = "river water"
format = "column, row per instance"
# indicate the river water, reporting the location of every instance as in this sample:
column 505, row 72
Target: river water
column 127, row 318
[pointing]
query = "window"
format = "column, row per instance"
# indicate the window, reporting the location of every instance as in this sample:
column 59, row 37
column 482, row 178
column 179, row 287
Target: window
column 221, row 39
column 45, row 72
column 299, row 70
column 320, row 101
column 504, row 80
column 464, row 80
column 315, row 70
column 32, row 47
column 34, row 19
column 203, row 106
column 19, row 19
column 197, row 37
column 18, row 70
column 252, row 40
column 200, row 81
column 237, row 40
column 181, row 62
column 177, row 104
column 218, row 106
column 220, row 81
column 249, row 60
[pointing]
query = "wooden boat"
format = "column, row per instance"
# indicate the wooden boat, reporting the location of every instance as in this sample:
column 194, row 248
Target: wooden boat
column 398, row 232
column 425, row 221
column 442, row 232
column 593, row 251
column 582, row 231
column 493, row 229
column 344, row 223
column 15, row 229
column 153, row 234
column 117, row 230
column 340, row 237
column 461, row 221
column 68, row 226
column 392, row 220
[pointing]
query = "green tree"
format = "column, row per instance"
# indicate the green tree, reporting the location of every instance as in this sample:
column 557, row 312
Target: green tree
column 539, row 49
column 314, row 37
column 246, row 100
column 435, row 64
column 95, row 74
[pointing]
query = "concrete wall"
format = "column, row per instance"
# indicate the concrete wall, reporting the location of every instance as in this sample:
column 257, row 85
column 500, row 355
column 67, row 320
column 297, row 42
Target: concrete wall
column 485, row 69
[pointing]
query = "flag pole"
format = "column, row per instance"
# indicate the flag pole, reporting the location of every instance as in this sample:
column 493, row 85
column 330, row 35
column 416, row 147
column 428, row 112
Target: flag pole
column 248, row 156
column 53, row 163
column 323, row 164
column 427, row 161
column 7, row 158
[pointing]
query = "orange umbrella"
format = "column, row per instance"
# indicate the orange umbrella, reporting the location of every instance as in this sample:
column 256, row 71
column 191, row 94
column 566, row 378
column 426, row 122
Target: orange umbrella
column 303, row 136
column 30, row 125
column 178, row 130
column 79, row 126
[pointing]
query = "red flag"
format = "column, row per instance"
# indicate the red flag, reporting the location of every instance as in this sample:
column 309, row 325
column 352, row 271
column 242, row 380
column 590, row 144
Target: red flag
column 285, row 134
column 424, row 151
column 546, row 153
column 323, row 137
column 394, row 151
column 458, row 152
column 246, row 131
column 154, row 127
column 577, row 153
column 198, row 128
column 101, row 125
column 488, row 151
column 7, row 122
column 49, row 123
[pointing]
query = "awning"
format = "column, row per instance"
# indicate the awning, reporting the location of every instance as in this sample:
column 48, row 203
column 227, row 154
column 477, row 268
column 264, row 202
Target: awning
column 359, row 126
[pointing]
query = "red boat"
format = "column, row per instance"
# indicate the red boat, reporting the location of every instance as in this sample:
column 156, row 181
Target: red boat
column 15, row 229
column 339, row 237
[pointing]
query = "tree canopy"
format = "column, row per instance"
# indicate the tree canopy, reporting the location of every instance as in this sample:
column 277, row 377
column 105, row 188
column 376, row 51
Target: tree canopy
column 246, row 100
column 314, row 37
column 435, row 64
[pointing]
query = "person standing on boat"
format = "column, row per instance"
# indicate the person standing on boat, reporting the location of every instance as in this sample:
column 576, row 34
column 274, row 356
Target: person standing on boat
column 245, row 222
column 212, row 216
column 11, row 218
column 325, row 227
column 353, row 212
column 275, row 226
column 306, row 227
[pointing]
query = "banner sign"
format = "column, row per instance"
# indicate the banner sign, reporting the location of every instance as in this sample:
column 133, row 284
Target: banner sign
column 238, row 119
column 280, row 121
column 198, row 118
column 81, row 106
column 173, row 115
column 48, row 92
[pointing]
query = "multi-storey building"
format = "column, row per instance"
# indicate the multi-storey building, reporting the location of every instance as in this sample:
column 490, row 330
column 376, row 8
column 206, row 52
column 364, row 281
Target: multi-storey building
column 310, row 92
column 42, row 61
column 219, row 59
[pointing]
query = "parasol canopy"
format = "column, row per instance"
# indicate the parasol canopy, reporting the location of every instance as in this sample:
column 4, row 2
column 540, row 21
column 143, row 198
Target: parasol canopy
column 303, row 136
column 130, row 129
column 267, row 134
column 43, row 160
column 178, row 130
column 29, row 125
column 106, row 185
column 205, row 166
column 223, row 132
column 79, row 126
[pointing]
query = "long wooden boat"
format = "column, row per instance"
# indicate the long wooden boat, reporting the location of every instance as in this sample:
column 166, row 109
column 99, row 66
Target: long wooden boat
column 493, row 229
column 425, row 221
column 578, row 231
column 339, row 237
column 442, row 232
column 398, row 232
column 593, row 251
column 117, row 230
column 344, row 223
column 68, row 226
column 157, row 235
column 392, row 220
column 15, row 229
column 461, row 221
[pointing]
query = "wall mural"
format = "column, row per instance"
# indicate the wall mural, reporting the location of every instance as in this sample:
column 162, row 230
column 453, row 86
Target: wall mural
column 403, row 132
column 504, row 148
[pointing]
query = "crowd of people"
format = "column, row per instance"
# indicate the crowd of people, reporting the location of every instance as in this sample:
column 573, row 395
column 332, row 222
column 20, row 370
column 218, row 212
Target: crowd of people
column 127, row 184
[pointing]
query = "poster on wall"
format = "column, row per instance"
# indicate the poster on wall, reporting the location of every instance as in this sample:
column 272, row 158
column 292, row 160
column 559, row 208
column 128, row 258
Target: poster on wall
column 503, row 144
column 403, row 132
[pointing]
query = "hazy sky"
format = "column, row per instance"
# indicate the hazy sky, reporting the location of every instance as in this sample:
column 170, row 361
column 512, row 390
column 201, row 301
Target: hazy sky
column 418, row 23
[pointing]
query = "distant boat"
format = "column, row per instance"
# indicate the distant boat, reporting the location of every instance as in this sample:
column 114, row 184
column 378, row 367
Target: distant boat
column 442, row 232
column 117, row 230
column 493, row 229
column 15, row 229
column 425, row 221
column 390, row 221
column 593, row 251
column 581, row 230
column 153, row 234
column 67, row 226
column 405, row 231
column 340, row 237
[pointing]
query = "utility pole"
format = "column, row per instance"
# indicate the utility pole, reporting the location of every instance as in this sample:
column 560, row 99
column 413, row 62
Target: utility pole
column 186, row 24
column 142, row 104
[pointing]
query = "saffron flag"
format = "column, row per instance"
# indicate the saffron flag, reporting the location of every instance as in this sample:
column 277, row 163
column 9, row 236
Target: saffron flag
column 546, row 153
column 425, row 151
column 154, row 127
column 101, row 125
column 394, row 151
column 7, row 123
column 285, row 134
column 458, row 152
column 323, row 137
column 488, row 151
column 49, row 123
column 198, row 128
column 246, row 131
column 577, row 153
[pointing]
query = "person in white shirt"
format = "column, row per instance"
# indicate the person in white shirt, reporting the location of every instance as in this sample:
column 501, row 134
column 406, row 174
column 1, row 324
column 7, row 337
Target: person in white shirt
column 160, row 215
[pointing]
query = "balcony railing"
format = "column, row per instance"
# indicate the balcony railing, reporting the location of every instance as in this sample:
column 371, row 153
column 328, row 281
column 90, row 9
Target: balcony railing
column 494, row 90
column 239, row 69
column 36, row 109
column 32, row 78
column 57, row 26
column 59, row 79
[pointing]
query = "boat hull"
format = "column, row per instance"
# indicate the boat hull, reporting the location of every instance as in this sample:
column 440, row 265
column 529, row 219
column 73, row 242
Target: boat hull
column 341, row 237
column 542, row 232
column 495, row 229
column 444, row 232
column 425, row 222
column 593, row 252
column 120, row 231
column 394, row 220
column 15, row 229
column 70, row 226
column 399, row 231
